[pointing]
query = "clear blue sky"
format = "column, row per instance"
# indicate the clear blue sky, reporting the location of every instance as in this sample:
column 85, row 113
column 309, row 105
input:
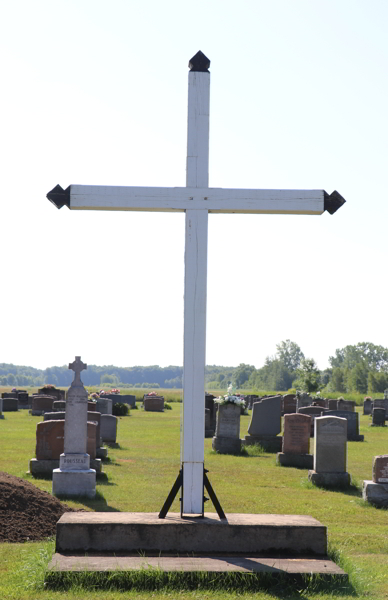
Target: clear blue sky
column 95, row 92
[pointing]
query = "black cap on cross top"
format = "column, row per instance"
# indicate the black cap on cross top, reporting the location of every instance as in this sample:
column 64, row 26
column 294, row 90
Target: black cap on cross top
column 199, row 62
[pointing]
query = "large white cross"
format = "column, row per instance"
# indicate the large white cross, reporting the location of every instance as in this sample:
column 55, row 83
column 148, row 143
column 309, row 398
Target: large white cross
column 196, row 200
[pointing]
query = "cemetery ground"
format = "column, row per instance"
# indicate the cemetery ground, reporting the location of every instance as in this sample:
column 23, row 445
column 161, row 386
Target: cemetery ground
column 138, row 475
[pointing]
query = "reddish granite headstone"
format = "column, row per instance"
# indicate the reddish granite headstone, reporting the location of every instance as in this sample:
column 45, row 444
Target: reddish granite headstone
column 289, row 404
column 153, row 403
column 296, row 436
column 49, row 439
column 42, row 404
column 380, row 469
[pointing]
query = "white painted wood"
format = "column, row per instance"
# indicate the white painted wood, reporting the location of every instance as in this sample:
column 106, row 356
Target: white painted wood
column 197, row 168
column 194, row 359
column 218, row 200
column 197, row 200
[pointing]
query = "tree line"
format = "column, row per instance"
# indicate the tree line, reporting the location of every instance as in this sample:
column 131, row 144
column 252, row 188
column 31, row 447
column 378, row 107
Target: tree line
column 361, row 368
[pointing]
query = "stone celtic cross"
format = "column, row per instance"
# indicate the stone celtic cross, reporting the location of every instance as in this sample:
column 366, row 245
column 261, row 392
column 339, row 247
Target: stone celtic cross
column 196, row 200
column 77, row 366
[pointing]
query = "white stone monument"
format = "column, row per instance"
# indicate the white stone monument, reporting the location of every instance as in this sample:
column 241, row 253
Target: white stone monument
column 74, row 476
column 196, row 200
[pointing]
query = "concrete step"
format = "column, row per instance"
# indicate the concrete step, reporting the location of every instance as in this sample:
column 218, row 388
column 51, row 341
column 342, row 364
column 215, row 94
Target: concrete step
column 244, row 534
column 209, row 564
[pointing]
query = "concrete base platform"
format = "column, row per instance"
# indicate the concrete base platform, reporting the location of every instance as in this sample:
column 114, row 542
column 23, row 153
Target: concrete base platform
column 226, row 445
column 45, row 467
column 243, row 534
column 299, row 461
column 375, row 493
column 356, row 438
column 335, row 480
column 269, row 443
column 210, row 564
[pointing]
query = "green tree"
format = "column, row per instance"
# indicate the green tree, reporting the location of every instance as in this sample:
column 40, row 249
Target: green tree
column 309, row 376
column 358, row 378
column 374, row 357
column 290, row 354
column 337, row 382
column 242, row 374
column 111, row 379
column 273, row 376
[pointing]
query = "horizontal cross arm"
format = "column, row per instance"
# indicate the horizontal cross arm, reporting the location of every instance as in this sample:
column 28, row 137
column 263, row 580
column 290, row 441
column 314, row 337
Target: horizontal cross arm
column 180, row 199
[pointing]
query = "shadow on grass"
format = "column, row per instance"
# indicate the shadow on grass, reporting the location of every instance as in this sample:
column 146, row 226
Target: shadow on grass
column 96, row 504
column 351, row 490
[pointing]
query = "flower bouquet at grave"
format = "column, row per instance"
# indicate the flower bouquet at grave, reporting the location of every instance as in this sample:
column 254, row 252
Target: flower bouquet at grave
column 94, row 397
column 114, row 391
column 49, row 386
column 231, row 398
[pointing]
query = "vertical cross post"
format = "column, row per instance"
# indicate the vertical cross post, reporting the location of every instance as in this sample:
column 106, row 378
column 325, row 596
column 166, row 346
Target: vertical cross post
column 194, row 359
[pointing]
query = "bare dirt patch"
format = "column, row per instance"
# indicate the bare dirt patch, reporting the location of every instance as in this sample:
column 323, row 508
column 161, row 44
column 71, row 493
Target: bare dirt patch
column 26, row 512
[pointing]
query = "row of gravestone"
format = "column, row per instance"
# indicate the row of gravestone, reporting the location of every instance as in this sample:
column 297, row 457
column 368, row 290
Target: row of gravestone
column 265, row 424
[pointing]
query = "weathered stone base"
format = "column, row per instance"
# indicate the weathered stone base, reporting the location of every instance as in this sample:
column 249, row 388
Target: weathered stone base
column 299, row 461
column 226, row 445
column 340, row 480
column 46, row 467
column 269, row 443
column 286, row 567
column 37, row 413
column 377, row 425
column 74, row 483
column 375, row 493
column 101, row 452
column 356, row 438
column 291, row 535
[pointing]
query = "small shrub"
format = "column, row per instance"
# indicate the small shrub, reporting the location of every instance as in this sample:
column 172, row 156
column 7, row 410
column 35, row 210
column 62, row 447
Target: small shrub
column 120, row 409
column 167, row 406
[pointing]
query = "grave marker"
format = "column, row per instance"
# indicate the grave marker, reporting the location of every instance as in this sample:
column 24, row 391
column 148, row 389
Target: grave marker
column 330, row 441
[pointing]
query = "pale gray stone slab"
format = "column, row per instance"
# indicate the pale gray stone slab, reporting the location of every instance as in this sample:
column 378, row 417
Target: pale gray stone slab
column 266, row 417
column 330, row 445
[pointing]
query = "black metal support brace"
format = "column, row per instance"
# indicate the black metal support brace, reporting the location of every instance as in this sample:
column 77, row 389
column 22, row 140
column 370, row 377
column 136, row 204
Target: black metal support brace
column 179, row 484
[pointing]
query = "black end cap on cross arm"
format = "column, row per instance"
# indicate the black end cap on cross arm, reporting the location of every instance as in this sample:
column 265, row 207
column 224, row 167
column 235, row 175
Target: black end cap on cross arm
column 332, row 202
column 59, row 196
column 199, row 62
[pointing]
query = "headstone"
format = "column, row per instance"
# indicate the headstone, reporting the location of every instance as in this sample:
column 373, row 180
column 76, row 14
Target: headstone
column 59, row 405
column 303, row 399
column 104, row 405
column 227, row 435
column 209, row 431
column 376, row 491
column 368, row 406
column 23, row 398
column 381, row 403
column 41, row 404
column 93, row 417
column 153, row 403
column 348, row 405
column 353, row 419
column 330, row 447
column 266, row 424
column 52, row 391
column 92, row 406
column 378, row 417
column 109, row 428
column 322, row 402
column 332, row 404
column 10, row 404
column 74, row 476
column 314, row 412
column 289, row 404
column 129, row 399
column 50, row 445
column 296, row 442
column 212, row 406
column 1, row 409
column 9, row 395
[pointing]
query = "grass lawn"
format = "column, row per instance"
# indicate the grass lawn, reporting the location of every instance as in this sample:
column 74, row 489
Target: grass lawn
column 142, row 469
